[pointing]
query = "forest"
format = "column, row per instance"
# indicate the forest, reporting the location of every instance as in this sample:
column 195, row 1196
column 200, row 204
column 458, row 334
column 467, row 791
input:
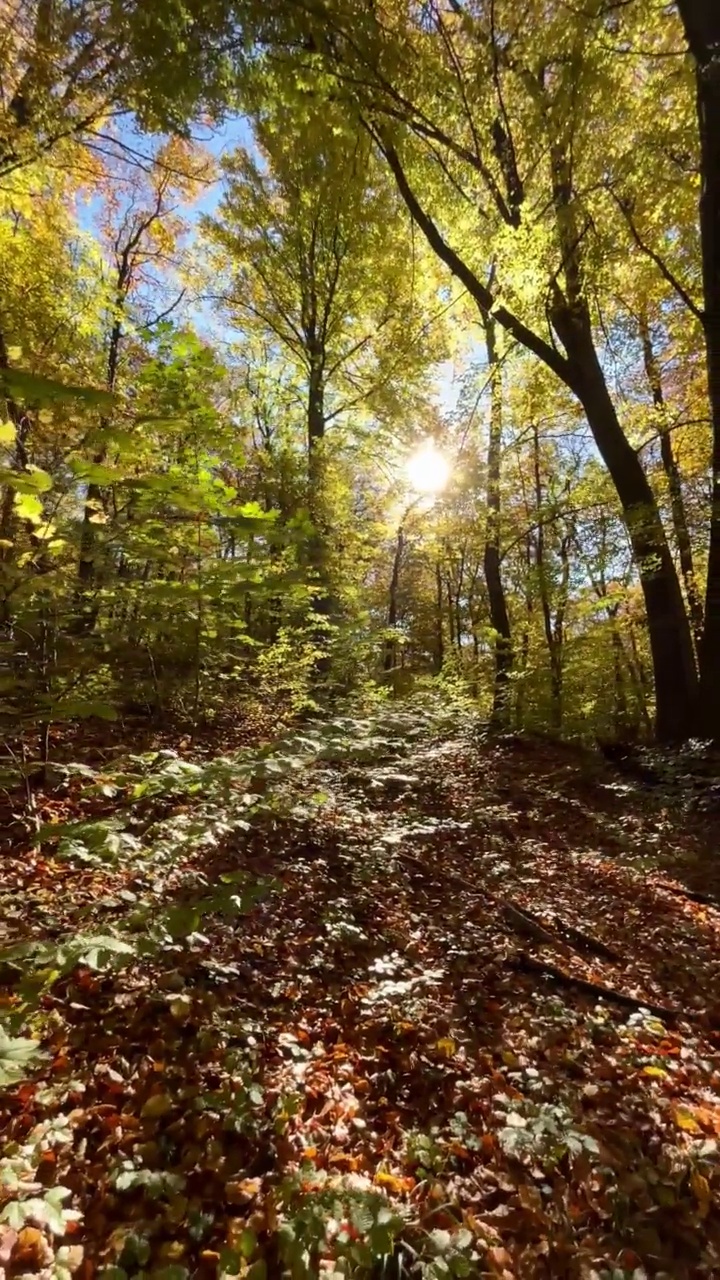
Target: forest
column 359, row 639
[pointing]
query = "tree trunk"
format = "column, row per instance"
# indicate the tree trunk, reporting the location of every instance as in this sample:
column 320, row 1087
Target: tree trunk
column 672, row 473
column 317, row 504
column 670, row 638
column 450, row 611
column 439, row 631
column 701, row 20
column 499, row 618
column 93, row 497
column 554, row 627
column 390, row 653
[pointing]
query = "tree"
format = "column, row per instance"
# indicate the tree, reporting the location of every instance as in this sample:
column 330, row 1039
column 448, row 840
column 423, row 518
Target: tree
column 65, row 67
column 701, row 22
column 312, row 245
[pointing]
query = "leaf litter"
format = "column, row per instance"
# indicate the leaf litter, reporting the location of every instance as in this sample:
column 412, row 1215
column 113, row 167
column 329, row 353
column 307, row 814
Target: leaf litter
column 379, row 1002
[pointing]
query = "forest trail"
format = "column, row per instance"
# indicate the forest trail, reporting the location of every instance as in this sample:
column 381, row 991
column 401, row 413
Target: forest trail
column 396, row 1053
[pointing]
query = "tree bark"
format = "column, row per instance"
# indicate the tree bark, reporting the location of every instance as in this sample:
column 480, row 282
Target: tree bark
column 701, row 20
column 499, row 618
column 670, row 639
column 439, row 631
column 672, row 473
column 93, row 497
column 390, row 652
column 554, row 627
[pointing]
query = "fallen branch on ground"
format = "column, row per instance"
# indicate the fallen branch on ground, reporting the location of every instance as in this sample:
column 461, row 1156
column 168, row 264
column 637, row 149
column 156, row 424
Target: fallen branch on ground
column 527, row 964
column 525, row 922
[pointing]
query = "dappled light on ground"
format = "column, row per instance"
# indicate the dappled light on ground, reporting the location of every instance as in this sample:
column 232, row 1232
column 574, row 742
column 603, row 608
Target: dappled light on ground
column 447, row 1007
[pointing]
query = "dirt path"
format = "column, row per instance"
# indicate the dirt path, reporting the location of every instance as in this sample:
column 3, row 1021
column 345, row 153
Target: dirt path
column 397, row 1059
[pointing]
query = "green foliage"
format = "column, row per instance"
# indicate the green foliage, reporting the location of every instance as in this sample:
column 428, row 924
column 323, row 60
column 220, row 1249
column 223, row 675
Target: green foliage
column 16, row 1056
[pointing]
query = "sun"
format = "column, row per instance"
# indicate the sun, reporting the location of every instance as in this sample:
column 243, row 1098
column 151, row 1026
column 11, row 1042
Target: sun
column 427, row 470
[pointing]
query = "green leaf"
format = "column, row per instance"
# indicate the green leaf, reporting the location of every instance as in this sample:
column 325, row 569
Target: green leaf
column 230, row 1261
column 28, row 507
column 180, row 922
column 34, row 388
column 15, row 1056
column 248, row 1243
column 15, row 1214
column 98, row 950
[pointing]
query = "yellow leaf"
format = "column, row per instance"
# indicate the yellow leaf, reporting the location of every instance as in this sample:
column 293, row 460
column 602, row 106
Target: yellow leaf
column 7, row 433
column 656, row 1072
column 395, row 1184
column 446, row 1048
column 684, row 1119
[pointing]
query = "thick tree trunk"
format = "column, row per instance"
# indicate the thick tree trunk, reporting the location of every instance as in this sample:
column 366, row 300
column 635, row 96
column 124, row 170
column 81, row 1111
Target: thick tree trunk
column 701, row 20
column 672, row 474
column 499, row 618
column 670, row 638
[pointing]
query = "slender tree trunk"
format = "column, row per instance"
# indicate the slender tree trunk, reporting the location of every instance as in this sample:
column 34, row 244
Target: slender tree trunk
column 701, row 20
column 554, row 627
column 439, row 630
column 450, row 611
column 672, row 474
column 620, row 707
column 640, row 678
column 93, row 499
column 499, row 618
column 317, row 502
column 391, row 646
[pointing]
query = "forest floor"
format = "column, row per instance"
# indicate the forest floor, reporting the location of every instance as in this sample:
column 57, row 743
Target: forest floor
column 456, row 1012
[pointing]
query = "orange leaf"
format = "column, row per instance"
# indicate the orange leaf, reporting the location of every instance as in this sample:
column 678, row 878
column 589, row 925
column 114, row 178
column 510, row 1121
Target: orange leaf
column 242, row 1191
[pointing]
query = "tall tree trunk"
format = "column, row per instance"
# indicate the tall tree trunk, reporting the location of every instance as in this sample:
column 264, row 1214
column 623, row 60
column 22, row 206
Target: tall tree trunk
column 391, row 646
column 317, row 504
column 672, row 474
column 621, row 720
column 439, row 630
column 499, row 617
column 93, row 498
column 669, row 630
column 554, row 627
column 701, row 20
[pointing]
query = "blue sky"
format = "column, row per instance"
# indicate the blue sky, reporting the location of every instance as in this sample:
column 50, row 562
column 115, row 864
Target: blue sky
column 220, row 141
